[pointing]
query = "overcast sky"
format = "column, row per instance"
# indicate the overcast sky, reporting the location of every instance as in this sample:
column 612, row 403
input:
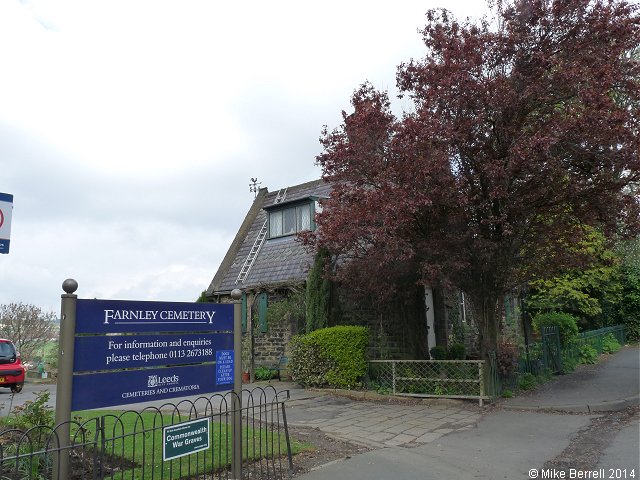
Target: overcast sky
column 130, row 129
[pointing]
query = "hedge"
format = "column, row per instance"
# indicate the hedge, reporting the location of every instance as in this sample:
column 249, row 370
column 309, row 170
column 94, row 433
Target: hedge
column 333, row 357
column 567, row 325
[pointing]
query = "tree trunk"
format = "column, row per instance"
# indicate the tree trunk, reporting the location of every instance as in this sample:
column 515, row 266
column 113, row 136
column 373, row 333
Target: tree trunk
column 486, row 312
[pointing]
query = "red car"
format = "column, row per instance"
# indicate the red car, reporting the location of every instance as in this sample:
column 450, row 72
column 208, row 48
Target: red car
column 11, row 369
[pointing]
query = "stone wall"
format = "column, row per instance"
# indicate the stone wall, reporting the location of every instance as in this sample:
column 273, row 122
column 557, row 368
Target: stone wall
column 398, row 328
column 270, row 346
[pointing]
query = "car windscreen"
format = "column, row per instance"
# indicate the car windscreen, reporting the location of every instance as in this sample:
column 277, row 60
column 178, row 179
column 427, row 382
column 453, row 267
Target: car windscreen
column 7, row 352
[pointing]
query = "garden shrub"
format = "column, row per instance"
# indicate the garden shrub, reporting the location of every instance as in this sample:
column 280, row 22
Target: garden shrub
column 457, row 351
column 264, row 373
column 507, row 359
column 334, row 357
column 567, row 325
column 610, row 344
column 569, row 361
column 32, row 413
column 587, row 354
column 438, row 353
column 632, row 328
column 527, row 381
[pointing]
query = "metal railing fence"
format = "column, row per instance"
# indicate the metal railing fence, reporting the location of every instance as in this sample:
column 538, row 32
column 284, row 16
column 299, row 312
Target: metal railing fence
column 128, row 444
column 430, row 378
column 537, row 359
column 477, row 379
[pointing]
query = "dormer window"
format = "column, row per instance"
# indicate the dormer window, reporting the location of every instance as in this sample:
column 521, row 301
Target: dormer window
column 290, row 220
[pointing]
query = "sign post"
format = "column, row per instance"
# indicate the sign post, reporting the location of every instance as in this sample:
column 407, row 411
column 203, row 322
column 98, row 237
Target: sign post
column 65, row 377
column 236, row 465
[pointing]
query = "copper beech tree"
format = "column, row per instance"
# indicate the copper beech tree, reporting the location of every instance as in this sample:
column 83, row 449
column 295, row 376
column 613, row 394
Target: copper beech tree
column 522, row 131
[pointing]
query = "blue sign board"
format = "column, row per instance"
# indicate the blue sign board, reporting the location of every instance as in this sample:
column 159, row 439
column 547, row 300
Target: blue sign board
column 114, row 352
column 224, row 367
column 4, row 246
column 125, row 316
column 136, row 351
column 99, row 390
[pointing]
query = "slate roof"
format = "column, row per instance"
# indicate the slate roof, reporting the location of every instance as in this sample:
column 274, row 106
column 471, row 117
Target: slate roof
column 281, row 260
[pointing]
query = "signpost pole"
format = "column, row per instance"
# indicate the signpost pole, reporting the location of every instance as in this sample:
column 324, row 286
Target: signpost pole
column 236, row 462
column 65, row 376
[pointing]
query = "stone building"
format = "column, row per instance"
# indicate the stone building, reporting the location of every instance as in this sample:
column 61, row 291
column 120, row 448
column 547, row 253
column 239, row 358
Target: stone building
column 267, row 262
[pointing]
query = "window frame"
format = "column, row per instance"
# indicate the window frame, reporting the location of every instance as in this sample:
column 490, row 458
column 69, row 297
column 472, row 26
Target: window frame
column 308, row 204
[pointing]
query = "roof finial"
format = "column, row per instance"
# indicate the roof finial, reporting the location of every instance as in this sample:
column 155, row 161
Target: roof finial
column 253, row 186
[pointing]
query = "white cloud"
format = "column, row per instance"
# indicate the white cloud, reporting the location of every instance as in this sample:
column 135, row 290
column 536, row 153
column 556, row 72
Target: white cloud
column 129, row 129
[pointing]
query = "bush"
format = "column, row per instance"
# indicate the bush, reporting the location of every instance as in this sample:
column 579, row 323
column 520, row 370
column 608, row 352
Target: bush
column 33, row 413
column 287, row 310
column 632, row 328
column 587, row 354
column 610, row 344
column 527, row 381
column 569, row 362
column 567, row 325
column 264, row 373
column 507, row 359
column 334, row 357
column 438, row 353
column 457, row 351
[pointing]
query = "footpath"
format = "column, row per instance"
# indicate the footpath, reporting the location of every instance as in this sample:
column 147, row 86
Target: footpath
column 515, row 438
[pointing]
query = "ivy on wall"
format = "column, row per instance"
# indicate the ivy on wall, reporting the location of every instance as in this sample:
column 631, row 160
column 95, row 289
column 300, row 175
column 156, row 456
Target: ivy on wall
column 317, row 293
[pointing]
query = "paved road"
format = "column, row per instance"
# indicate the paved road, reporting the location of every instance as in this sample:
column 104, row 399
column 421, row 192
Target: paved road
column 502, row 445
column 519, row 444
column 379, row 425
column 461, row 441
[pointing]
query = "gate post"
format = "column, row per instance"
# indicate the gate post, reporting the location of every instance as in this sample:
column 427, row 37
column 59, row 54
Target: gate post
column 236, row 457
column 65, row 377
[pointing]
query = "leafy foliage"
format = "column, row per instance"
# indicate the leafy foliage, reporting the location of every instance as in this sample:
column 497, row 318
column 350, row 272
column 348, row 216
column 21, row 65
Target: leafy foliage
column 317, row 293
column 523, row 131
column 569, row 361
column 264, row 373
column 527, row 381
column 628, row 309
column 585, row 291
column 507, row 359
column 203, row 297
column 287, row 310
column 456, row 351
column 566, row 323
column 33, row 413
column 27, row 326
column 438, row 352
column 587, row 354
column 610, row 344
column 334, row 356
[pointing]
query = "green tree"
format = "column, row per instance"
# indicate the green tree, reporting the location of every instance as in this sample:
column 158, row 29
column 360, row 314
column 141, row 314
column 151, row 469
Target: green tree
column 588, row 292
column 628, row 309
column 318, row 292
column 27, row 326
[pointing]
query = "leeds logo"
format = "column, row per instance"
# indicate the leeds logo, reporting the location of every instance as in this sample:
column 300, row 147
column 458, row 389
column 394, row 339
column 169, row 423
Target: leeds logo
column 157, row 381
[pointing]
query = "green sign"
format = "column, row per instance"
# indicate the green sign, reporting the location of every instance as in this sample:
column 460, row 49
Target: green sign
column 185, row 438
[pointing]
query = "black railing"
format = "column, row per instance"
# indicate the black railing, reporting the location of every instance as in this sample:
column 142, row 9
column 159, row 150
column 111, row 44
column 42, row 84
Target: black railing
column 129, row 444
